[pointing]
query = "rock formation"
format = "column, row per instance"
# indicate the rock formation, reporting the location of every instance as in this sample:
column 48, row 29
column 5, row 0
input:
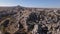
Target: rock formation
column 24, row 20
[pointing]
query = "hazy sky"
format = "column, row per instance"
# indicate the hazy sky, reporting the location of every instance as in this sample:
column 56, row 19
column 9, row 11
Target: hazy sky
column 31, row 3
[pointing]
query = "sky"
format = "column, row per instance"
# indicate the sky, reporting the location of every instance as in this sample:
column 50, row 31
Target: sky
column 32, row 3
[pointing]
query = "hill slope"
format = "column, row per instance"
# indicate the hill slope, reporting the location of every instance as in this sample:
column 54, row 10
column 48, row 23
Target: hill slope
column 23, row 20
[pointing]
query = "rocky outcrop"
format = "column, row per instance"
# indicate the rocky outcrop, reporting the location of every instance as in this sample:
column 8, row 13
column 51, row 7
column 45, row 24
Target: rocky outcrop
column 22, row 20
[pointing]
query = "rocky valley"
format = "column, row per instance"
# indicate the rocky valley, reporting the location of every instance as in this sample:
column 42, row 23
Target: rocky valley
column 24, row 20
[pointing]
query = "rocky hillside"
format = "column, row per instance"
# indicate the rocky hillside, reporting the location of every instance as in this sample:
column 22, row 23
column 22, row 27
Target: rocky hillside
column 23, row 20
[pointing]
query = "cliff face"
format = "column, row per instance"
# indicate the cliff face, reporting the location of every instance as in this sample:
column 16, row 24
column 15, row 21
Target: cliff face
column 22, row 20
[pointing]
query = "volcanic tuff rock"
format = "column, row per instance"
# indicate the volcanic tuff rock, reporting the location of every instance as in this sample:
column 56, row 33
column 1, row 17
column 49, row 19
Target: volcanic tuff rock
column 23, row 20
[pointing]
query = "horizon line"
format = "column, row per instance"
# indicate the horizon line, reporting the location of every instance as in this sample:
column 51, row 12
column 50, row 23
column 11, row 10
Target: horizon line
column 25, row 6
